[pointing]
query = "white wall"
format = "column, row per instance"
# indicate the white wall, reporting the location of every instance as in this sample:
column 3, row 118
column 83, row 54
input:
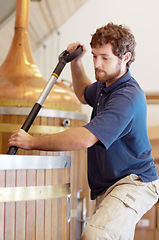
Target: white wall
column 140, row 15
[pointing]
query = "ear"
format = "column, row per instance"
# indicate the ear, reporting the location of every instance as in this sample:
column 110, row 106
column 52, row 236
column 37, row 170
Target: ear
column 127, row 57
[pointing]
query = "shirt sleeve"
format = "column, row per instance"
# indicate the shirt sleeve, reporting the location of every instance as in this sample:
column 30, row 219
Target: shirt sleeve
column 114, row 121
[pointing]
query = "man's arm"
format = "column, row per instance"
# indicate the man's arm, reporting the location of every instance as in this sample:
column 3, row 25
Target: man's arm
column 72, row 139
column 79, row 77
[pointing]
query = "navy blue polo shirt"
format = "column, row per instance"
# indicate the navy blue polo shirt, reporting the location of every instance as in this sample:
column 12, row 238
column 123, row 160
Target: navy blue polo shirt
column 119, row 121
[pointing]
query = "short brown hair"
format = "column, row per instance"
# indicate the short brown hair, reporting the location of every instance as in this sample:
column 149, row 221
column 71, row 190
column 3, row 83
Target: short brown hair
column 119, row 36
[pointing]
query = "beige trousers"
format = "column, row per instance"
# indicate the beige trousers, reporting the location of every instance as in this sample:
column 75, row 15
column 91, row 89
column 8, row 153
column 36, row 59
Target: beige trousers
column 120, row 208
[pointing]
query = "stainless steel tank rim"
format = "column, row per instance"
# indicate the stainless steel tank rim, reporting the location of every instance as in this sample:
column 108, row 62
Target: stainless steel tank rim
column 44, row 112
column 19, row 162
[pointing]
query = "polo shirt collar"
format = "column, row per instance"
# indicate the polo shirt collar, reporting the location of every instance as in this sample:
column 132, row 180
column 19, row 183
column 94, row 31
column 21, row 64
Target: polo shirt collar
column 126, row 77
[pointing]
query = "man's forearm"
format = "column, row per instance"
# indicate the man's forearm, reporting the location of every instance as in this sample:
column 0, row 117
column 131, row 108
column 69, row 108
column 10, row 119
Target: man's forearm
column 79, row 79
column 72, row 139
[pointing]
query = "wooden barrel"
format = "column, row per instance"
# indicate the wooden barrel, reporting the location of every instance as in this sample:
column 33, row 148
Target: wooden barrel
column 50, row 121
column 34, row 197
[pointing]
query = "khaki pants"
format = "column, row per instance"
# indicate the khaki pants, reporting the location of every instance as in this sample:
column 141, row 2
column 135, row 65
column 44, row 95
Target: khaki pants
column 120, row 208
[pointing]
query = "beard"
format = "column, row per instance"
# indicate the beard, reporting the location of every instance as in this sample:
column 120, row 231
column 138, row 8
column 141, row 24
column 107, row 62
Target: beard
column 103, row 76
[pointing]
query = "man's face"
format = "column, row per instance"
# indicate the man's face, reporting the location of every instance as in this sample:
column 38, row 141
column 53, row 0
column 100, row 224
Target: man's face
column 108, row 67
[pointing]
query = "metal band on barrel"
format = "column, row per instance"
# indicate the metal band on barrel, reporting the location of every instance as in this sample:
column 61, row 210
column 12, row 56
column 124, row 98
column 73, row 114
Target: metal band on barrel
column 44, row 112
column 20, row 162
column 41, row 129
column 30, row 193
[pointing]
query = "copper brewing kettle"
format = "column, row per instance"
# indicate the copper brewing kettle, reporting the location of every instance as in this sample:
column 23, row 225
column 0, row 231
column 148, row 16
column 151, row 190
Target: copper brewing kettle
column 20, row 77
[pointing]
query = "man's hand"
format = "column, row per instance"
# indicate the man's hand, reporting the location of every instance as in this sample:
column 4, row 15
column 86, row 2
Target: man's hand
column 73, row 46
column 79, row 78
column 21, row 139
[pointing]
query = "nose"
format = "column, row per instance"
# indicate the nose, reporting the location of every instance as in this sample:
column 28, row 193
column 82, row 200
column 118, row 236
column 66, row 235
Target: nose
column 97, row 63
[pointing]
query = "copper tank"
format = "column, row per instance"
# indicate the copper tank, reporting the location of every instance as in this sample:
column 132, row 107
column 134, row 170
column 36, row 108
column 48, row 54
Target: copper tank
column 20, row 77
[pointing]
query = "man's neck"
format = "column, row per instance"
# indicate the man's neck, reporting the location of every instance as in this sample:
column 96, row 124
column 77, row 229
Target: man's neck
column 111, row 81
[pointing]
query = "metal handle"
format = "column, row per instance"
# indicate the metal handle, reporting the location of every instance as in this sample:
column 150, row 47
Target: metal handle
column 68, row 57
column 69, row 208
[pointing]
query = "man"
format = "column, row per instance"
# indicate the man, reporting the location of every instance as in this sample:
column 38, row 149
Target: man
column 121, row 171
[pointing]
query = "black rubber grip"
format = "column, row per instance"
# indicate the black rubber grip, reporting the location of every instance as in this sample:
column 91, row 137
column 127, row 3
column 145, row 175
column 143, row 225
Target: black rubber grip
column 68, row 57
column 12, row 150
column 27, row 124
column 32, row 115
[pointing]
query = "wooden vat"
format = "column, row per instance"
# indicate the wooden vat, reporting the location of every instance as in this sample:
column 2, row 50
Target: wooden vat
column 50, row 121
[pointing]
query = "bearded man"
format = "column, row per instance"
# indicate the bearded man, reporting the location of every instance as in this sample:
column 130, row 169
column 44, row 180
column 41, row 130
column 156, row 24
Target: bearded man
column 121, row 171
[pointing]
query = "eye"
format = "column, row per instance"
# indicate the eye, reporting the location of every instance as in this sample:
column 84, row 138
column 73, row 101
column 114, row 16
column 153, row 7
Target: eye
column 104, row 58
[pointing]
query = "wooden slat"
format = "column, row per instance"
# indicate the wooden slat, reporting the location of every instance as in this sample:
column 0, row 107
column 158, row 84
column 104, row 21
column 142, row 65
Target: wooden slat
column 30, row 208
column 10, row 208
column 54, row 210
column 48, row 213
column 2, row 184
column 40, row 209
column 65, row 223
column 60, row 231
column 20, row 208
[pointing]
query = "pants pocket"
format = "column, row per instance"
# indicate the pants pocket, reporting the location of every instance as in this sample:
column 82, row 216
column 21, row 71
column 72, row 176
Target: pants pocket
column 140, row 197
column 129, row 197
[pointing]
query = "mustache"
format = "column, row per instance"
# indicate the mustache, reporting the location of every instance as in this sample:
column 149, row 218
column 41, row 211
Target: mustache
column 99, row 70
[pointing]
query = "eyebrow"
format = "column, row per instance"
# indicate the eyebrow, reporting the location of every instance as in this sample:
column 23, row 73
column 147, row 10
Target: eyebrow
column 103, row 54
